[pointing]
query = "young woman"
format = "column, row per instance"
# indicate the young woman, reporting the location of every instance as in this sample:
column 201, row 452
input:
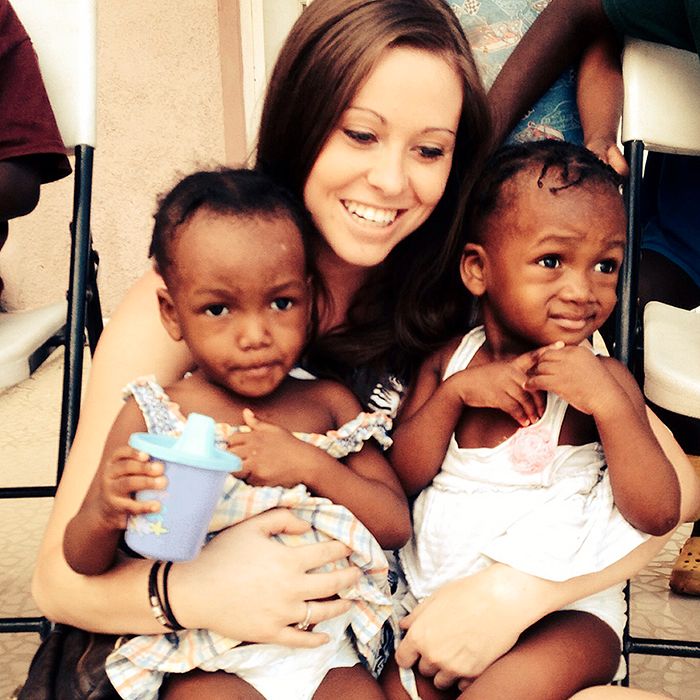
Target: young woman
column 376, row 118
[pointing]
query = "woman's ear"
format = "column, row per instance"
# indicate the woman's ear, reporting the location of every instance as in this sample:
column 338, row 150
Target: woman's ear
column 168, row 314
column 471, row 269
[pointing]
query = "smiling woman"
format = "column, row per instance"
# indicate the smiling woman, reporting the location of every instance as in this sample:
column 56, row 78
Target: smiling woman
column 330, row 135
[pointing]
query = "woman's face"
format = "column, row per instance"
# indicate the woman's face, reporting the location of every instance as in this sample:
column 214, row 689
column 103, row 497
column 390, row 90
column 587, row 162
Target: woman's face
column 385, row 164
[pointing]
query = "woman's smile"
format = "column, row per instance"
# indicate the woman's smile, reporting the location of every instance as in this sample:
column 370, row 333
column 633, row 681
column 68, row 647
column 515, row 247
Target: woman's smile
column 371, row 215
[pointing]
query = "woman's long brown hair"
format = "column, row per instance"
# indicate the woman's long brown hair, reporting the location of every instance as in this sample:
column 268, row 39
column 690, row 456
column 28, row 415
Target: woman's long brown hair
column 412, row 301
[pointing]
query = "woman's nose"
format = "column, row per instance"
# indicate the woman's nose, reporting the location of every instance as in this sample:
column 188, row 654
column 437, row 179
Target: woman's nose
column 387, row 172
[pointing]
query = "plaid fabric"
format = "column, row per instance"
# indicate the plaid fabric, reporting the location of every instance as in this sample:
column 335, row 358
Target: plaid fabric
column 137, row 666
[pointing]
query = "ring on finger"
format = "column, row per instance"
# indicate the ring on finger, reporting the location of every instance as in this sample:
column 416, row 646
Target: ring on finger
column 304, row 624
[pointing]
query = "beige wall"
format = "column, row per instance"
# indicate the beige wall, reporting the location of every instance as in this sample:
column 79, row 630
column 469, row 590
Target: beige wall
column 161, row 82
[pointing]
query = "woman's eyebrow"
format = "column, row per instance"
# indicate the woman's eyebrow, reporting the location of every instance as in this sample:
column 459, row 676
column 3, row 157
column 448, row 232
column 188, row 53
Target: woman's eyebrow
column 383, row 120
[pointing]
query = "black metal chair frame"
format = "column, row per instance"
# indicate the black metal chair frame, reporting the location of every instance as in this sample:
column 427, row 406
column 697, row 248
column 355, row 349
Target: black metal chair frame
column 628, row 349
column 84, row 313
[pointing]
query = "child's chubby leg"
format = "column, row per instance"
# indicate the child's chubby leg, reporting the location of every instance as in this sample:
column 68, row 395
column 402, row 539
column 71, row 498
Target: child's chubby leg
column 561, row 654
column 393, row 690
column 351, row 682
column 215, row 685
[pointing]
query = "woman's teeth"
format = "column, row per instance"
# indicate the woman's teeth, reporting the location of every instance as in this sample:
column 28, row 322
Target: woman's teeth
column 372, row 215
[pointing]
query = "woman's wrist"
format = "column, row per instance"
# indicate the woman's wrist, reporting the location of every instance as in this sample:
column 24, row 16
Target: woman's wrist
column 185, row 586
column 535, row 596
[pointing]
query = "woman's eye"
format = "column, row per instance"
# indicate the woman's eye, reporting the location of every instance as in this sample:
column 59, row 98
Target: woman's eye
column 607, row 267
column 431, row 152
column 551, row 262
column 216, row 310
column 282, row 304
column 361, row 137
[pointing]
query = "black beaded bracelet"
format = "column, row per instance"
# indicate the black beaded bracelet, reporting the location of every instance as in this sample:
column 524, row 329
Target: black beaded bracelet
column 160, row 607
column 173, row 623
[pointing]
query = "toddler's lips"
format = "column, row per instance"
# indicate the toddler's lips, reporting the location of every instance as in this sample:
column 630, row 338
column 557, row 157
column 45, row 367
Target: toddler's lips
column 258, row 371
column 572, row 323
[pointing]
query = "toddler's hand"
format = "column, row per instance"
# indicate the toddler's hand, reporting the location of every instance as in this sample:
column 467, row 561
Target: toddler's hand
column 503, row 385
column 575, row 374
column 124, row 473
column 270, row 454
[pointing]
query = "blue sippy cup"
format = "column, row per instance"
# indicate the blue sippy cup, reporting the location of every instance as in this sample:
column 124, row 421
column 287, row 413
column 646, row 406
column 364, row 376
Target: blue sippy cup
column 196, row 470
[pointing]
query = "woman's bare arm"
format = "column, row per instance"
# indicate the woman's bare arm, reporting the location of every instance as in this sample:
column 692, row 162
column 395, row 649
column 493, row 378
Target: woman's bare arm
column 133, row 343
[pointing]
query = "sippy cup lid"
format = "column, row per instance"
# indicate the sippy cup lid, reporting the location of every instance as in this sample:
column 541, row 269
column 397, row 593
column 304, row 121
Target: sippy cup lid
column 195, row 447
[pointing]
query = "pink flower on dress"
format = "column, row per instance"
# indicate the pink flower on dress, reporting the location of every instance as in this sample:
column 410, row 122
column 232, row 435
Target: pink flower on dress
column 532, row 449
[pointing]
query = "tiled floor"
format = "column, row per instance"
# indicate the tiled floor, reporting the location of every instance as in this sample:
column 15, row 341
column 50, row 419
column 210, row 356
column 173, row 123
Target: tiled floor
column 29, row 415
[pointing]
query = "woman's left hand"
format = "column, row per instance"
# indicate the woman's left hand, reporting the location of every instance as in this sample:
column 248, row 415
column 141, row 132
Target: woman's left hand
column 466, row 625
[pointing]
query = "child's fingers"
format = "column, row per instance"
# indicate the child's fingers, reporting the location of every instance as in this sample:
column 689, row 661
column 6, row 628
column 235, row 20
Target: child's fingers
column 254, row 423
column 126, row 484
column 519, row 404
column 528, row 360
column 617, row 161
column 131, row 506
column 540, row 400
column 127, row 460
column 250, row 419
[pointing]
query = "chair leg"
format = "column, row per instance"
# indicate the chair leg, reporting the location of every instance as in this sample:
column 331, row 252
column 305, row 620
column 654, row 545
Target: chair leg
column 627, row 316
column 77, row 291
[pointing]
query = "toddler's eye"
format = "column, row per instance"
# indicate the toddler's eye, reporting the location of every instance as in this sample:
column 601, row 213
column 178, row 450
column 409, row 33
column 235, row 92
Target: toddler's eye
column 551, row 262
column 282, row 304
column 361, row 137
column 216, row 310
column 607, row 267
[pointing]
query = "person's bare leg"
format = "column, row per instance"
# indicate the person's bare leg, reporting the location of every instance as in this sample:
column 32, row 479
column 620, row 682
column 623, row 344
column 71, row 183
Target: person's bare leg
column 215, row 685
column 393, row 690
column 563, row 653
column 610, row 692
column 351, row 683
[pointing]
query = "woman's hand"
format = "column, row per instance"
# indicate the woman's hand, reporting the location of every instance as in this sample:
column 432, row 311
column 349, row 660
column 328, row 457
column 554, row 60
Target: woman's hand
column 247, row 586
column 460, row 630
column 467, row 624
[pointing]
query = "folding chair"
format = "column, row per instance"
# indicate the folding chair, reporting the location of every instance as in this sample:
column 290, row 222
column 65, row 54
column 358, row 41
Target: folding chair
column 661, row 113
column 64, row 36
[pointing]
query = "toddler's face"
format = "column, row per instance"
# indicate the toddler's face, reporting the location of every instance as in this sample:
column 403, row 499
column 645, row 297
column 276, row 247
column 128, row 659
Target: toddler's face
column 552, row 263
column 240, row 299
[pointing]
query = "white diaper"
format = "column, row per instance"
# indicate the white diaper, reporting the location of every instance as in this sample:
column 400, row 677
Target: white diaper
column 281, row 673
